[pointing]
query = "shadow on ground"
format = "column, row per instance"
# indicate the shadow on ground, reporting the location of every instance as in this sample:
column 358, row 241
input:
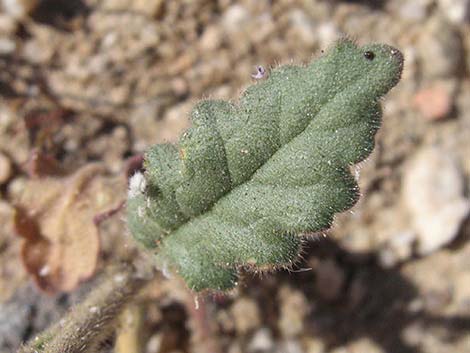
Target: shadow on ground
column 386, row 305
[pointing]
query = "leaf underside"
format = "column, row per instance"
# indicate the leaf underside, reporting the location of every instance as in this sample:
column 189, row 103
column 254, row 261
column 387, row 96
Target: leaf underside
column 247, row 179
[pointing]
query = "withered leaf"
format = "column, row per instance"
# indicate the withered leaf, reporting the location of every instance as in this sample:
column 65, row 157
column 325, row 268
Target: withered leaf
column 55, row 215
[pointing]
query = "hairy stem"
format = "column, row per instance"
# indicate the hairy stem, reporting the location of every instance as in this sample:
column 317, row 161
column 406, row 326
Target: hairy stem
column 90, row 322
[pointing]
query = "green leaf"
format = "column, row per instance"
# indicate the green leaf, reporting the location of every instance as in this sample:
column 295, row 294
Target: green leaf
column 248, row 179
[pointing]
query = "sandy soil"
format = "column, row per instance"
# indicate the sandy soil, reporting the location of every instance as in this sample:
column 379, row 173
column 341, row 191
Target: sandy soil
column 87, row 81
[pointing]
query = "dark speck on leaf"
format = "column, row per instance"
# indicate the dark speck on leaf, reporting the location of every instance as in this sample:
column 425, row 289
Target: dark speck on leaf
column 369, row 55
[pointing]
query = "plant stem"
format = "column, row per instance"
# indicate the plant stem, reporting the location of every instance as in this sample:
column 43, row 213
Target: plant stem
column 90, row 322
column 129, row 333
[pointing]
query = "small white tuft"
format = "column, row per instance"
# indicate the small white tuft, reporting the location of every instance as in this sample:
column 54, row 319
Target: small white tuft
column 162, row 265
column 119, row 278
column 44, row 271
column 141, row 212
column 357, row 172
column 166, row 271
column 137, row 184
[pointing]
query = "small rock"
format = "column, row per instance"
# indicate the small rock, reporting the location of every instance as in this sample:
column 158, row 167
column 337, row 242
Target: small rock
column 19, row 8
column 457, row 11
column 358, row 240
column 211, row 38
column 467, row 49
column 413, row 333
column 436, row 300
column 358, row 290
column 414, row 10
column 7, row 46
column 327, row 33
column 13, row 324
column 148, row 7
column 225, row 321
column 174, row 121
column 265, row 27
column 314, row 345
column 12, row 273
column 294, row 308
column 7, row 24
column 462, row 289
column 179, row 86
column 435, row 101
column 262, row 341
column 112, row 157
column 440, row 49
column 235, row 348
column 235, row 18
column 246, row 315
column 433, row 193
column 151, row 7
column 154, row 343
column 399, row 247
column 289, row 347
column 364, row 345
column 5, row 168
column 302, row 27
column 330, row 279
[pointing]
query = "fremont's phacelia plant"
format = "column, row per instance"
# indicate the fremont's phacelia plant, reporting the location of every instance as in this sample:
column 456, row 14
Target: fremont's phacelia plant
column 248, row 179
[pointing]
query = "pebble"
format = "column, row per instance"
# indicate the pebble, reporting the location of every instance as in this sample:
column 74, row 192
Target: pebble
column 435, row 101
column 457, row 11
column 416, row 10
column 7, row 24
column 11, row 274
column 302, row 27
column 246, row 315
column 7, row 46
column 289, row 347
column 436, row 300
column 467, row 49
column 360, row 346
column 235, row 348
column 211, row 38
column 432, row 191
column 462, row 290
column 14, row 318
column 314, row 345
column 235, row 18
column 294, row 308
column 399, row 247
column 358, row 290
column 327, row 33
column 148, row 7
column 19, row 8
column 262, row 341
column 143, row 127
column 330, row 279
column 154, row 8
column 225, row 321
column 5, row 168
column 265, row 27
column 154, row 343
column 440, row 49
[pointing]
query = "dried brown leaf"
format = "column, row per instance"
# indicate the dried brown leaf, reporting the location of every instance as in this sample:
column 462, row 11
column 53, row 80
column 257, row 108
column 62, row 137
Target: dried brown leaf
column 55, row 217
column 41, row 164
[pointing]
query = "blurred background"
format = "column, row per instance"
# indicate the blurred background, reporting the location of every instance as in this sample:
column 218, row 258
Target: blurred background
column 99, row 81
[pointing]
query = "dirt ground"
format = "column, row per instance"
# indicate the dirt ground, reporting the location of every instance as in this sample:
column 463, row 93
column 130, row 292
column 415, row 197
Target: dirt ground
column 99, row 81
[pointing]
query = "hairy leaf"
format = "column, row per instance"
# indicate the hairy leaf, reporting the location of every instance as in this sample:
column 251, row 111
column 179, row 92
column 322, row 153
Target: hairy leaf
column 247, row 179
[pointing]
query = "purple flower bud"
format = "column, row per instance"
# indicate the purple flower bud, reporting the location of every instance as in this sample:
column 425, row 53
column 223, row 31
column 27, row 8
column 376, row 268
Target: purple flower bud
column 260, row 72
